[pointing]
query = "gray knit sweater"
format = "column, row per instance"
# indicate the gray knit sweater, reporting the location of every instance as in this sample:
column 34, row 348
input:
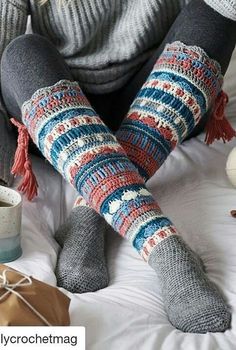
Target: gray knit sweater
column 104, row 42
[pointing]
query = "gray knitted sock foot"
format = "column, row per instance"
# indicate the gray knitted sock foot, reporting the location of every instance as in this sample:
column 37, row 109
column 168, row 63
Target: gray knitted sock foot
column 81, row 265
column 193, row 303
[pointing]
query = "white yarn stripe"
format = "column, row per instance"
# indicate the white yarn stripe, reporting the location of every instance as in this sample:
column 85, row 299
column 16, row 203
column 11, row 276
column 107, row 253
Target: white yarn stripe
column 154, row 240
column 81, row 121
column 79, row 143
column 172, row 91
column 141, row 221
column 55, row 135
column 64, row 155
column 76, row 160
column 160, row 121
column 46, row 117
column 197, row 83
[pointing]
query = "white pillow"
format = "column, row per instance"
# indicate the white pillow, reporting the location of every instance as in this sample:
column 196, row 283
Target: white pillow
column 230, row 88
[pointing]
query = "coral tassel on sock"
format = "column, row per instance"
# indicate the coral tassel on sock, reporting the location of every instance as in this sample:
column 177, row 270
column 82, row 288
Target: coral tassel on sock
column 218, row 127
column 22, row 164
column 29, row 183
column 22, row 146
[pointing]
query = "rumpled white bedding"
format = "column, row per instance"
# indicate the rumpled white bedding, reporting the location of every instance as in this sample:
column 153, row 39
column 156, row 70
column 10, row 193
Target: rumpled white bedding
column 193, row 189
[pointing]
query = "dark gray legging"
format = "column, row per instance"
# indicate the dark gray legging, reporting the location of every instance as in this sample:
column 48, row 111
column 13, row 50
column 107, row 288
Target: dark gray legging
column 30, row 62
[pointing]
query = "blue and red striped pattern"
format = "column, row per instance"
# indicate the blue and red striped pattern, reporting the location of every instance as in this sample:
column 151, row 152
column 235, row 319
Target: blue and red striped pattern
column 80, row 146
column 180, row 89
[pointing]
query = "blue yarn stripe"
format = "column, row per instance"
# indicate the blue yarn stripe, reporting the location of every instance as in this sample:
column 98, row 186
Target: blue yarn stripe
column 100, row 161
column 148, row 230
column 126, row 208
column 117, row 194
column 43, row 102
column 70, row 137
column 173, row 102
column 92, row 144
column 58, row 118
column 195, row 63
column 157, row 145
column 151, row 133
column 185, row 113
column 182, row 82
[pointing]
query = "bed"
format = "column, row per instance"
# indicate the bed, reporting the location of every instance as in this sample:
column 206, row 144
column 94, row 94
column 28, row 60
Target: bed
column 193, row 189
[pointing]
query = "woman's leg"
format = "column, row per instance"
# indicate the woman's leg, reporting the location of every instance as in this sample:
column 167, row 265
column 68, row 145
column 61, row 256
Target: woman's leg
column 81, row 265
column 189, row 29
column 198, row 25
column 80, row 146
column 182, row 86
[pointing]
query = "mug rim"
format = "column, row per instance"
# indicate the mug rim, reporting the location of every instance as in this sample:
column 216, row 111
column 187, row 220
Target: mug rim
column 12, row 191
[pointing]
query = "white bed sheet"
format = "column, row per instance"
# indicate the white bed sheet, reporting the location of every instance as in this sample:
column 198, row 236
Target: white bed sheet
column 192, row 188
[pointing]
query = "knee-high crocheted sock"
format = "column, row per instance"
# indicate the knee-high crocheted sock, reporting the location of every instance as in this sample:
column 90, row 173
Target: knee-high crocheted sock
column 182, row 86
column 81, row 265
column 145, row 134
column 162, row 114
column 80, row 146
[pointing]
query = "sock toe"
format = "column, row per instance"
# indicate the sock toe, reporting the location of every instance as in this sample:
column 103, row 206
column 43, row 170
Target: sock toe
column 209, row 320
column 193, row 303
column 81, row 264
column 82, row 282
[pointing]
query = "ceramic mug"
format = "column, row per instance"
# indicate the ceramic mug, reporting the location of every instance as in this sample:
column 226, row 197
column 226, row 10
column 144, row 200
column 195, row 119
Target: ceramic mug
column 10, row 224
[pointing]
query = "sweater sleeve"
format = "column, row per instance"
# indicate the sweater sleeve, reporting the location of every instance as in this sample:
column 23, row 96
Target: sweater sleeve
column 13, row 20
column 226, row 8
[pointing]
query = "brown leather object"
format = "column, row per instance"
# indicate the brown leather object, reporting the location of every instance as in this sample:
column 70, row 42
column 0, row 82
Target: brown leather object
column 233, row 213
column 49, row 301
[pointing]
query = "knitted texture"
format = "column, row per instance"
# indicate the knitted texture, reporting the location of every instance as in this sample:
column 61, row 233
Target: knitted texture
column 81, row 265
column 103, row 42
column 180, row 89
column 226, row 8
column 80, row 146
column 168, row 107
column 193, row 303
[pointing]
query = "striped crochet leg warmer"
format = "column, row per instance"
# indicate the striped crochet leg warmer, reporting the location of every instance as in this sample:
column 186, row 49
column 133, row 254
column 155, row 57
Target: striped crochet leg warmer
column 183, row 85
column 148, row 134
column 78, row 144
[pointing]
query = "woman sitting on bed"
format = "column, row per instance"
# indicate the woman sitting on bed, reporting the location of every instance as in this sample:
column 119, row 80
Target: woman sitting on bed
column 106, row 94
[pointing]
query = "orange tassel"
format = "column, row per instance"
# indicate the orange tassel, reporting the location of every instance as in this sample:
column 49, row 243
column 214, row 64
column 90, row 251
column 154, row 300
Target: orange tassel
column 22, row 145
column 218, row 126
column 29, row 184
column 22, row 164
